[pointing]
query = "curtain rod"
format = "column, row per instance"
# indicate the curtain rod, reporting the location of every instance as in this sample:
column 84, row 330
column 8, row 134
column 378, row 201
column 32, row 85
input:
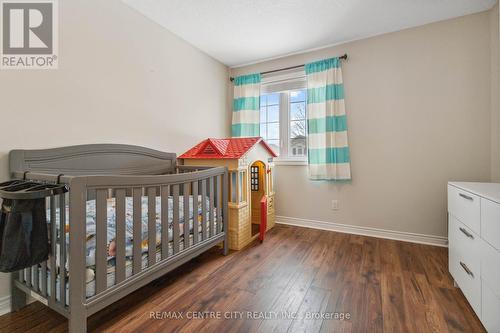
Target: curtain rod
column 344, row 57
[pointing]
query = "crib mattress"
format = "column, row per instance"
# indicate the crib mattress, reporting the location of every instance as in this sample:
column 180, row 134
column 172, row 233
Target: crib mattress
column 90, row 271
column 111, row 233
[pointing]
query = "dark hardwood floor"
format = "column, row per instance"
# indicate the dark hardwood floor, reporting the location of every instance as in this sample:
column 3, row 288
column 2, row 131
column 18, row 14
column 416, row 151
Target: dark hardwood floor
column 380, row 285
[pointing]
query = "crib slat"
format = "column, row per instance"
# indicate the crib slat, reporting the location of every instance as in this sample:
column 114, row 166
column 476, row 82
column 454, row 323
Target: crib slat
column 137, row 229
column 62, row 248
column 43, row 276
column 195, row 213
column 219, row 204
column 211, row 212
column 120, row 235
column 151, row 226
column 164, row 222
column 34, row 269
column 204, row 208
column 175, row 221
column 53, row 253
column 187, row 226
column 43, row 286
column 101, row 241
column 28, row 276
column 43, row 272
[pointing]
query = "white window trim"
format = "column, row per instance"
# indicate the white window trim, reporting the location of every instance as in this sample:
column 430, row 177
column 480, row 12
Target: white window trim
column 284, row 157
column 290, row 81
column 292, row 162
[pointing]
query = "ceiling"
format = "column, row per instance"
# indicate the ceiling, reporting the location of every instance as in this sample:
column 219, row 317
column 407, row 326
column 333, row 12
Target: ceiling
column 238, row 32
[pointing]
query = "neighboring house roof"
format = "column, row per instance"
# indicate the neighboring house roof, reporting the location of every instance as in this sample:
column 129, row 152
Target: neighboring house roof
column 230, row 148
column 300, row 140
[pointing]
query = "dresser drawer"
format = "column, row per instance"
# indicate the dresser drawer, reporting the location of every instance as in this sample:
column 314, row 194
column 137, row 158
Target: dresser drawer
column 462, row 240
column 490, row 304
column 490, row 267
column 464, row 261
column 490, row 222
column 465, row 206
column 469, row 284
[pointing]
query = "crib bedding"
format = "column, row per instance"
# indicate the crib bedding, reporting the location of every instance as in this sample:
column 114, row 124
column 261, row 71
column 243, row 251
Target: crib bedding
column 90, row 271
column 111, row 223
column 111, row 233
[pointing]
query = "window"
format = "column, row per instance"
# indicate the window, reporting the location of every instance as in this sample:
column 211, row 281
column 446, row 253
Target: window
column 283, row 121
column 298, row 123
column 254, row 178
column 270, row 120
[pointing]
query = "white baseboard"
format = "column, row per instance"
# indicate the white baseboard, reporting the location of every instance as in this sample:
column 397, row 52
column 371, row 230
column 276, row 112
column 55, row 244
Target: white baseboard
column 365, row 231
column 4, row 305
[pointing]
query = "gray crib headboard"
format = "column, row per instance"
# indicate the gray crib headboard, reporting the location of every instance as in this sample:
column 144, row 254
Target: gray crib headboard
column 93, row 159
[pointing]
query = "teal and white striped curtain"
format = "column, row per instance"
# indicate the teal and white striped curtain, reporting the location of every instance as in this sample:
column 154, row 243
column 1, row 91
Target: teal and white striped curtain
column 246, row 106
column 328, row 150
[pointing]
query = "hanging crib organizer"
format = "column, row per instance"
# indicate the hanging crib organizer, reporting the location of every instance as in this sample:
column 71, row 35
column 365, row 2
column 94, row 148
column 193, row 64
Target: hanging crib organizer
column 29, row 190
column 23, row 224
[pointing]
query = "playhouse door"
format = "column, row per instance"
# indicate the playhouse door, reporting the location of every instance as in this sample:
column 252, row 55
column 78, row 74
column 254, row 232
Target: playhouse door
column 258, row 190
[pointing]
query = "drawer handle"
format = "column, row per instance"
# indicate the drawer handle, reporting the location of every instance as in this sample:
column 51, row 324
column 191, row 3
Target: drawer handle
column 465, row 196
column 466, row 233
column 466, row 269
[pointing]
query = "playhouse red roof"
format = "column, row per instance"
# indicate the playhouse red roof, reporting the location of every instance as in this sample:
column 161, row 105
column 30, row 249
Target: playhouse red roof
column 231, row 148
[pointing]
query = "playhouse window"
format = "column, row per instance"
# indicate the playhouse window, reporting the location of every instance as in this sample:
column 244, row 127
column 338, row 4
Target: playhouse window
column 242, row 187
column 237, row 187
column 232, row 187
column 254, row 178
column 271, row 181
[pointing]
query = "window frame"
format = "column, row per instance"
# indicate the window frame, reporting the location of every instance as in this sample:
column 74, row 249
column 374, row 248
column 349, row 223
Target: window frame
column 267, row 122
column 284, row 129
column 280, row 82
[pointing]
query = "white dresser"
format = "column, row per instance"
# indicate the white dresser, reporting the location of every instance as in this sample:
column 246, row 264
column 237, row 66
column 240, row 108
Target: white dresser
column 474, row 247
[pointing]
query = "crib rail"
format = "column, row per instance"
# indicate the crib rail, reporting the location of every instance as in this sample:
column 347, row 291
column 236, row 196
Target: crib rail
column 172, row 218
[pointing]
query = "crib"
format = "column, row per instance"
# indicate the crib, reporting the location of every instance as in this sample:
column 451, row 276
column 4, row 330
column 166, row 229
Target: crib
column 156, row 214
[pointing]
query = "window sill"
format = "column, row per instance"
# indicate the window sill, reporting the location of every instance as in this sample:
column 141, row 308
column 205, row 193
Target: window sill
column 291, row 162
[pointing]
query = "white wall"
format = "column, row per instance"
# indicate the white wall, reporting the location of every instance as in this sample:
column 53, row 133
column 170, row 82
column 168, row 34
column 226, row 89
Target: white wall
column 495, row 95
column 418, row 105
column 121, row 79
